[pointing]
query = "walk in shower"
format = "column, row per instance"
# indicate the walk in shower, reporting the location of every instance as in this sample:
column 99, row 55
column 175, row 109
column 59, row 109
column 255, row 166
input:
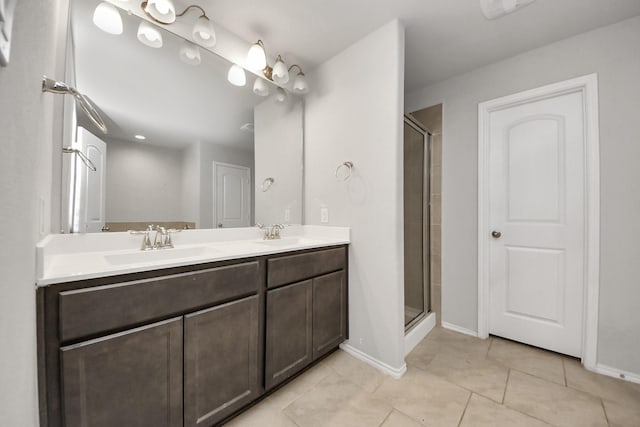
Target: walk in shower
column 416, row 222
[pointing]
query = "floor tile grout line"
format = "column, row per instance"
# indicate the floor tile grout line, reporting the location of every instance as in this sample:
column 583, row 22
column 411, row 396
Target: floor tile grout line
column 538, row 377
column 386, row 417
column 604, row 409
column 564, row 372
column 506, row 385
column 465, row 409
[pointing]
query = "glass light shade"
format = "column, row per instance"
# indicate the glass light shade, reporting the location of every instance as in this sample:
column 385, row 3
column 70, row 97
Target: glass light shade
column 256, row 57
column 260, row 87
column 236, row 76
column 281, row 95
column 149, row 35
column 280, row 73
column 161, row 10
column 108, row 19
column 190, row 53
column 203, row 32
column 300, row 84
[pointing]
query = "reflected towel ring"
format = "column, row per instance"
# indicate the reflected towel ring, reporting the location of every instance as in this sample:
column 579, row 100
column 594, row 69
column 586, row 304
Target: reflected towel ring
column 267, row 183
column 343, row 171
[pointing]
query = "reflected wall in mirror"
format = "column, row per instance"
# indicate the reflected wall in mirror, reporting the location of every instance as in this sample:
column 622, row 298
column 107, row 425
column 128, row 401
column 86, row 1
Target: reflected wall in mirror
column 184, row 149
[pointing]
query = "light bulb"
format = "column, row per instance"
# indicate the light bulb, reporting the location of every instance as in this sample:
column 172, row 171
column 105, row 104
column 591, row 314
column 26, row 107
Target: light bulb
column 281, row 95
column 190, row 53
column 256, row 57
column 203, row 32
column 280, row 73
column 300, row 84
column 149, row 35
column 161, row 10
column 236, row 76
column 260, row 87
column 108, row 19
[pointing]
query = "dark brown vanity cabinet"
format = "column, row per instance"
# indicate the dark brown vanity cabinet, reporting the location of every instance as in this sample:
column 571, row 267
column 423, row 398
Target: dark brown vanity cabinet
column 133, row 378
column 221, row 365
column 307, row 319
column 187, row 346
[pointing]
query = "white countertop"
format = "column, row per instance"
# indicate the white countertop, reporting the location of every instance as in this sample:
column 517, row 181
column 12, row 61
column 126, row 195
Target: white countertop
column 72, row 257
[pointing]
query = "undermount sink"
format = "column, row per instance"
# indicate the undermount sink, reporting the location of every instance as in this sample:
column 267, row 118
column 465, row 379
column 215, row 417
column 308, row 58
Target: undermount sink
column 159, row 255
column 288, row 241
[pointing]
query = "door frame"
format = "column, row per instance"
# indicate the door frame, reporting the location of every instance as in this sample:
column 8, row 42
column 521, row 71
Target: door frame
column 215, row 198
column 588, row 87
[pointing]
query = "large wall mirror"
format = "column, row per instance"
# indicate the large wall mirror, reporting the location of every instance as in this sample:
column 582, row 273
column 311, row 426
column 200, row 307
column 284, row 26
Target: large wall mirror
column 184, row 147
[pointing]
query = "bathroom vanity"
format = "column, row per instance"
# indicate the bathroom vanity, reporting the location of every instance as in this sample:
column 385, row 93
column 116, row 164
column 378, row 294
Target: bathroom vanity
column 191, row 344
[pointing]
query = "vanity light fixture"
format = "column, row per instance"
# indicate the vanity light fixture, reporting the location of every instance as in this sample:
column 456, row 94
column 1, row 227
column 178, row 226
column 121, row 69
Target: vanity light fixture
column 279, row 73
column 164, row 12
column 236, row 75
column 149, row 35
column 108, row 19
column 190, row 53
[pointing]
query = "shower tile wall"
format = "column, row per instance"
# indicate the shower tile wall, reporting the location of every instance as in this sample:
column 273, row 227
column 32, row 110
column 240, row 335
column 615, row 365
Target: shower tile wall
column 431, row 118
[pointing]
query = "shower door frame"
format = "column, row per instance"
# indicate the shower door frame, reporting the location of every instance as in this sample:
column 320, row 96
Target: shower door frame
column 426, row 223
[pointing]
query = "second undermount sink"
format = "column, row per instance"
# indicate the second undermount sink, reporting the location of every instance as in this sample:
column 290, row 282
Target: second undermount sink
column 288, row 241
column 159, row 255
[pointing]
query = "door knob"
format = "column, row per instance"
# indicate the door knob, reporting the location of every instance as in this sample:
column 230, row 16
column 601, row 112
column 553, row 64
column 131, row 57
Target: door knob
column 496, row 234
column 219, row 225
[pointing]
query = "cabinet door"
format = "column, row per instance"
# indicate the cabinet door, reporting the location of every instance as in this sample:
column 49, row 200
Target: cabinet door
column 288, row 330
column 221, row 361
column 329, row 312
column 132, row 379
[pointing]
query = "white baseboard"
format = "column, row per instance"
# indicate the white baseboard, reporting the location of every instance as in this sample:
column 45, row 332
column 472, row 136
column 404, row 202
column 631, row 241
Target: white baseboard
column 616, row 373
column 460, row 329
column 418, row 332
column 381, row 366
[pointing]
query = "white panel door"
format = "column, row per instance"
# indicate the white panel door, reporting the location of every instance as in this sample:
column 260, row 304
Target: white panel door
column 537, row 218
column 232, row 195
column 91, row 185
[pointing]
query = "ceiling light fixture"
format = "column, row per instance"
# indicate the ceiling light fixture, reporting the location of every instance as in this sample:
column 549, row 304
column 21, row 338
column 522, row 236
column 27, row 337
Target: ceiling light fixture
column 108, row 19
column 493, row 9
column 279, row 73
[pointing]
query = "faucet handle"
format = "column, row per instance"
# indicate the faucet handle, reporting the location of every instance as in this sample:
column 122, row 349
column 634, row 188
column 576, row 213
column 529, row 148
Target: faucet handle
column 168, row 243
column 146, row 240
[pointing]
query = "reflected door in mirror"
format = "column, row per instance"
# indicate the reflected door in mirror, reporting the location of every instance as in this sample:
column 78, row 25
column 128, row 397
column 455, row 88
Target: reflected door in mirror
column 232, row 195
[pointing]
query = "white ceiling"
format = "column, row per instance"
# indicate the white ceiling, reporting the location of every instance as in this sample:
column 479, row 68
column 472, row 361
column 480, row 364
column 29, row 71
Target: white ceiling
column 444, row 38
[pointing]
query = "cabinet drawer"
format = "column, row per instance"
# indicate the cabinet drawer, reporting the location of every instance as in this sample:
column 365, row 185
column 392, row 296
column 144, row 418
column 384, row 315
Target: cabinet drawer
column 295, row 268
column 91, row 311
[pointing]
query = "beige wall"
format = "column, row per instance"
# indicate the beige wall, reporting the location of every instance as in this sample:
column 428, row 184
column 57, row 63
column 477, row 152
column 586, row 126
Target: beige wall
column 613, row 53
column 29, row 141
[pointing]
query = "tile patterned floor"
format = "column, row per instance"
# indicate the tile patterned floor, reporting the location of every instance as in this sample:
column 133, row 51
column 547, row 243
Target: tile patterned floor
column 452, row 380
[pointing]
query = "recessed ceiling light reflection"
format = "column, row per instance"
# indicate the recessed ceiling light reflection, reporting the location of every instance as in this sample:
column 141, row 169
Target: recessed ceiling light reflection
column 140, row 137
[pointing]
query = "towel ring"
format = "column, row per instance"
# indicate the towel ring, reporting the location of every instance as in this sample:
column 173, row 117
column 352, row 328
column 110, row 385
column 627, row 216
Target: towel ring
column 266, row 184
column 343, row 171
column 87, row 161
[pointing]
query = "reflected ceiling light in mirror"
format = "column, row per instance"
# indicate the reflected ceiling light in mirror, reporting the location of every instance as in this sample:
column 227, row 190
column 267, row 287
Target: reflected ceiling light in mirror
column 280, row 73
column 281, row 95
column 108, row 19
column 257, row 56
column 236, row 75
column 149, row 35
column 300, row 82
column 190, row 53
column 161, row 11
column 140, row 137
column 260, row 87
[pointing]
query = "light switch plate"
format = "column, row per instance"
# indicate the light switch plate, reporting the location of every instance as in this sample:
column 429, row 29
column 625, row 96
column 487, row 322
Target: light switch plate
column 324, row 215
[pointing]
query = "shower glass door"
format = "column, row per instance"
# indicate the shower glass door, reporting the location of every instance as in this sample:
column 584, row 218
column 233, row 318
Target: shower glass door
column 416, row 223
